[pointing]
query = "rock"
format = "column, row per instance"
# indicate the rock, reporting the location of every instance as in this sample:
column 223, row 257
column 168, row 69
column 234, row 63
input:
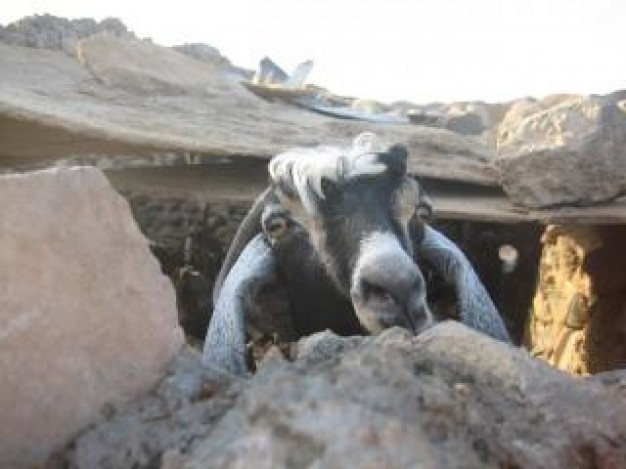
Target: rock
column 204, row 53
column 563, row 150
column 467, row 118
column 86, row 317
column 463, row 117
column 449, row 398
column 212, row 55
column 420, row 117
column 132, row 98
column 158, row 428
column 466, row 123
column 52, row 32
column 578, row 318
column 143, row 68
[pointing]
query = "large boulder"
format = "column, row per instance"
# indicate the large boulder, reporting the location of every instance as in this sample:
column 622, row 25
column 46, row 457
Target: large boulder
column 86, row 317
column 565, row 149
column 449, row 398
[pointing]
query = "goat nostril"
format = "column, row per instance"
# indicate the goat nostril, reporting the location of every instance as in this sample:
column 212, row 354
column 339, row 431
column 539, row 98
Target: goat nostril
column 420, row 316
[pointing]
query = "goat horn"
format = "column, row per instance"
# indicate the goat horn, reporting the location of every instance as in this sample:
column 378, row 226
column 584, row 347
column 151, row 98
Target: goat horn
column 476, row 309
column 248, row 229
column 225, row 343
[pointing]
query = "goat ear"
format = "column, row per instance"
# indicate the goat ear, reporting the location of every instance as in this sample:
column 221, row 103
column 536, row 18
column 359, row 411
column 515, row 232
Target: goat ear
column 395, row 159
column 475, row 307
column 249, row 228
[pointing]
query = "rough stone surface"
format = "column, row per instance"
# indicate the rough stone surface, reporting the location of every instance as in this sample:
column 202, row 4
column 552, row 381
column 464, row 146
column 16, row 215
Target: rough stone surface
column 204, row 53
column 578, row 318
column 563, row 150
column 449, row 398
column 471, row 118
column 86, row 317
column 158, row 428
column 129, row 97
column 142, row 68
column 52, row 32
column 212, row 55
column 463, row 117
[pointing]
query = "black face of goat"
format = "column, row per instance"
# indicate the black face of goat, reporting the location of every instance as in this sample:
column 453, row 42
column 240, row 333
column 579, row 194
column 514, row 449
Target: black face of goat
column 362, row 220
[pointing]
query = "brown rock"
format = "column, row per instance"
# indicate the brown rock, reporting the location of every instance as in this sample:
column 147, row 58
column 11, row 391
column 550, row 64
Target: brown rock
column 578, row 318
column 86, row 317
column 563, row 150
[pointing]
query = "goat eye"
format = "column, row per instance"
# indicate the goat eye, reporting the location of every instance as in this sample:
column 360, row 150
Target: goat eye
column 424, row 211
column 276, row 227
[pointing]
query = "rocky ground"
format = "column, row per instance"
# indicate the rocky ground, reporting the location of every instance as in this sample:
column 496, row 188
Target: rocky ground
column 449, row 398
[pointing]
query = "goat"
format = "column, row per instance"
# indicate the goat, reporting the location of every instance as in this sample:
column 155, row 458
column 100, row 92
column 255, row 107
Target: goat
column 341, row 236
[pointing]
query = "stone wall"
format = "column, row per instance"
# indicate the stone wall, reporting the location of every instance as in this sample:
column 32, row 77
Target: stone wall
column 578, row 320
column 190, row 238
column 183, row 229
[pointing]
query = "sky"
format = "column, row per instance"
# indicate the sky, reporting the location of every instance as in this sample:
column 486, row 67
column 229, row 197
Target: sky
column 420, row 51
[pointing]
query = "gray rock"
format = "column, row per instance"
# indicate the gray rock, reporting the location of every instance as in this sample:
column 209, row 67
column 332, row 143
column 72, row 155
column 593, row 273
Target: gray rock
column 51, row 32
column 204, row 53
column 468, row 123
column 212, row 55
column 563, row 150
column 160, row 427
column 467, row 118
column 472, row 118
column 449, row 398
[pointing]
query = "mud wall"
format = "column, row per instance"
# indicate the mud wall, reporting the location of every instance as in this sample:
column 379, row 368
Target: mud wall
column 190, row 238
column 182, row 230
column 578, row 320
